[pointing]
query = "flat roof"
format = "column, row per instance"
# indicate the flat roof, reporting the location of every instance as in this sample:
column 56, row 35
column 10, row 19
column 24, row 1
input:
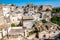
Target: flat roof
column 16, row 31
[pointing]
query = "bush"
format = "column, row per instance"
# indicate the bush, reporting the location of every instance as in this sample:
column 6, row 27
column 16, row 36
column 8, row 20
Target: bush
column 13, row 25
column 44, row 21
column 30, row 33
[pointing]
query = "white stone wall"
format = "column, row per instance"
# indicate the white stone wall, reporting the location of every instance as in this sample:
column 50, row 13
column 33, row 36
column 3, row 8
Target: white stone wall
column 0, row 35
column 47, row 6
column 28, row 24
column 13, row 8
column 31, row 36
column 4, row 32
column 6, row 9
column 41, row 34
column 16, row 27
column 14, row 19
column 19, row 16
column 9, row 29
column 36, row 17
column 46, row 15
column 21, row 10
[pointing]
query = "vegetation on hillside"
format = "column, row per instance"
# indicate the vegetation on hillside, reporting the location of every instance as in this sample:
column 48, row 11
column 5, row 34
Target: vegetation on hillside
column 55, row 20
column 56, row 9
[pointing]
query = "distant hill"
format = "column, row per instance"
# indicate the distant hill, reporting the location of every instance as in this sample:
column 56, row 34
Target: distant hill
column 56, row 9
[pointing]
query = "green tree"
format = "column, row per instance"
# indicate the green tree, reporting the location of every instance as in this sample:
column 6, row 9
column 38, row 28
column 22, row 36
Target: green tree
column 57, row 9
column 13, row 25
column 44, row 21
column 55, row 20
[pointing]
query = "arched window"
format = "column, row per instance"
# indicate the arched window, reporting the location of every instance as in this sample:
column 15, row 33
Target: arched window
column 46, row 27
column 44, row 36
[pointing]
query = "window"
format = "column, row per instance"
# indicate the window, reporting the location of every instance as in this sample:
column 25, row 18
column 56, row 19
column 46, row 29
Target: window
column 54, row 31
column 46, row 27
column 58, row 28
column 40, row 15
column 44, row 35
column 13, row 19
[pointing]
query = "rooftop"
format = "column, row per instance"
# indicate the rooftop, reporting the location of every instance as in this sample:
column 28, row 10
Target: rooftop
column 4, row 26
column 16, row 31
column 27, row 17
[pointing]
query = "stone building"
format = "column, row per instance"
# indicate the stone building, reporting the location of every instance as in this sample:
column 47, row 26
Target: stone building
column 4, row 26
column 12, row 7
column 6, row 9
column 45, row 12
